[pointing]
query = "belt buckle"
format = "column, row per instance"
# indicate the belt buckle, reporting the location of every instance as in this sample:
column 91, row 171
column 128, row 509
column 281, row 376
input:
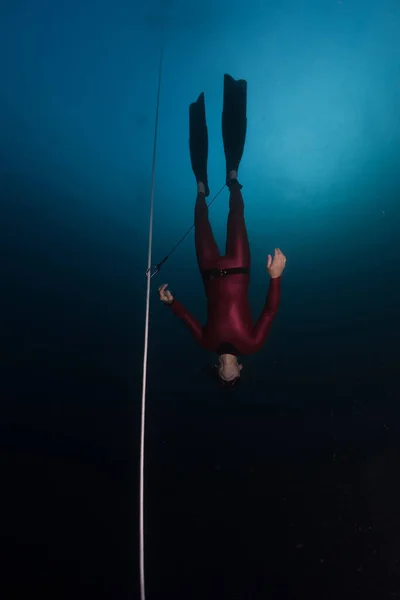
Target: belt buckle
column 223, row 272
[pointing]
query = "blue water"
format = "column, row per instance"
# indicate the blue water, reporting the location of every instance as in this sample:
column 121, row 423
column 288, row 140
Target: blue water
column 284, row 488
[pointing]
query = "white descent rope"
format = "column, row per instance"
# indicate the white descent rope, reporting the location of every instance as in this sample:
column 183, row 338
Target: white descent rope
column 146, row 344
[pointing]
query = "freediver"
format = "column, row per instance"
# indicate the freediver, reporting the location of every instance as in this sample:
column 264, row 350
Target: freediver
column 229, row 331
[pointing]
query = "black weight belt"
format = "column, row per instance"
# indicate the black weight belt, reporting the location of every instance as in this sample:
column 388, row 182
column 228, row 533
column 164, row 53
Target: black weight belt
column 221, row 273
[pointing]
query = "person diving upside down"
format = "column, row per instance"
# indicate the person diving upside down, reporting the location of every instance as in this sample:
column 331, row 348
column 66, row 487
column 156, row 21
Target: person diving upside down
column 229, row 331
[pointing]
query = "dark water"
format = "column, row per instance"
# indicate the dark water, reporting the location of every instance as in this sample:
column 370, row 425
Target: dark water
column 286, row 488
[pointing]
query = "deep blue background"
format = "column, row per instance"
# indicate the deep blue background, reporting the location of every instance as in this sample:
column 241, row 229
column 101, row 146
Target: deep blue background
column 288, row 487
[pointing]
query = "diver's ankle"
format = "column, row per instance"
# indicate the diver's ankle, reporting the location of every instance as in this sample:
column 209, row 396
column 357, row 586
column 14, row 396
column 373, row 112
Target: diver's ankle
column 201, row 188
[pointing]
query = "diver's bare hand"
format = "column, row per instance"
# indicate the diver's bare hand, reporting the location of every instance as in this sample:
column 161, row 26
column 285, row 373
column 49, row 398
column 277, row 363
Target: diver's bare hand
column 165, row 295
column 276, row 265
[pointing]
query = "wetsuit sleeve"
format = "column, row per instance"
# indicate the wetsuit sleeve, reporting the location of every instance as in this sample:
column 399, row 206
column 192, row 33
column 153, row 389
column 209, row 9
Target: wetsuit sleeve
column 191, row 323
column 263, row 325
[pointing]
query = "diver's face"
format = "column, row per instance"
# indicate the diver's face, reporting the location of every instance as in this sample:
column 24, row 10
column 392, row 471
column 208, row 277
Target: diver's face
column 229, row 372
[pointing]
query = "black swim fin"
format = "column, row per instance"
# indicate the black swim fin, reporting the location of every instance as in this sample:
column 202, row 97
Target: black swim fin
column 198, row 141
column 234, row 121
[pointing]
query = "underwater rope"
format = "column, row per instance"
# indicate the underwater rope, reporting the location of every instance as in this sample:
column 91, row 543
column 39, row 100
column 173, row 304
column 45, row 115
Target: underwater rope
column 150, row 272
column 146, row 344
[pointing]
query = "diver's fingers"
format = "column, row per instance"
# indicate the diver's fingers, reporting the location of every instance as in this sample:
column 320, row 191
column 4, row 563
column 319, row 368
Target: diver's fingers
column 280, row 255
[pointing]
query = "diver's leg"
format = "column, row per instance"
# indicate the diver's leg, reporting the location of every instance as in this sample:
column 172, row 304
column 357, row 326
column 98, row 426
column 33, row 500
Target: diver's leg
column 234, row 122
column 198, row 141
column 234, row 126
column 237, row 241
column 206, row 247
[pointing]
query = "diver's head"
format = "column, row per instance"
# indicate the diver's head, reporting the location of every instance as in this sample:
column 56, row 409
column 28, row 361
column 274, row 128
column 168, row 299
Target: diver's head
column 228, row 369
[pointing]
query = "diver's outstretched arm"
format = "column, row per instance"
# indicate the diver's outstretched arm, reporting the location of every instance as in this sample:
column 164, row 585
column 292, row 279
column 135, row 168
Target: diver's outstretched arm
column 180, row 311
column 263, row 325
column 275, row 268
column 191, row 322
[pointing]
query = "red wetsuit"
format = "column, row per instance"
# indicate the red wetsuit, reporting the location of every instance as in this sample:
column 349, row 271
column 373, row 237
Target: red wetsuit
column 229, row 326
